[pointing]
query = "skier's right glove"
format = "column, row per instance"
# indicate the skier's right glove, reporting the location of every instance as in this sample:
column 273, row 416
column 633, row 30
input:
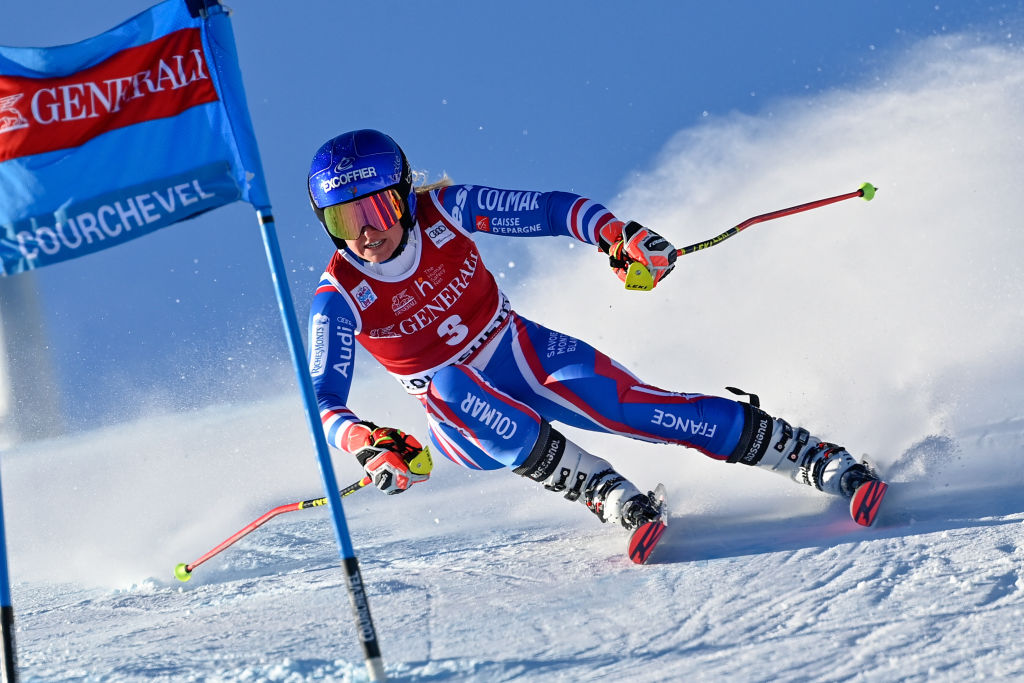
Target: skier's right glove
column 392, row 459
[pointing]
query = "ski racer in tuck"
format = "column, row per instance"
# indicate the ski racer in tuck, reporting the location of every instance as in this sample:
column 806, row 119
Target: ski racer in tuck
column 408, row 283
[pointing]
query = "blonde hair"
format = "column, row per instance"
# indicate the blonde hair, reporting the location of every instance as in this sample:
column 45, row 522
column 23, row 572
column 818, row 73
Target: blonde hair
column 425, row 187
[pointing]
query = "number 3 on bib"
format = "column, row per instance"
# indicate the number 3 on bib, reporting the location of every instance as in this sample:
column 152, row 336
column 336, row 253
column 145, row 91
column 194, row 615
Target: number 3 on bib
column 452, row 330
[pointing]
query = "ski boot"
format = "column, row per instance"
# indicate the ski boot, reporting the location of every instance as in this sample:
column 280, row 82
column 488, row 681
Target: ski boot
column 772, row 444
column 562, row 466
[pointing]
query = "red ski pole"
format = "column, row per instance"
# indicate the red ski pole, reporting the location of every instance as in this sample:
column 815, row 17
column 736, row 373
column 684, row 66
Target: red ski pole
column 639, row 278
column 183, row 571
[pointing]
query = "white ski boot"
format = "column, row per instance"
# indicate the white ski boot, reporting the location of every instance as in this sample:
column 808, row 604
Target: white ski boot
column 771, row 443
column 561, row 465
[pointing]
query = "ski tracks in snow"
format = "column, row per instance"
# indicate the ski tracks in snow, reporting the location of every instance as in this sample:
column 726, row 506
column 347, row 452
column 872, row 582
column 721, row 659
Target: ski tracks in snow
column 510, row 584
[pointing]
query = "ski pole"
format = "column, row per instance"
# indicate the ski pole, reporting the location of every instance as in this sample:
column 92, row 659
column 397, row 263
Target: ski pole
column 639, row 278
column 183, row 572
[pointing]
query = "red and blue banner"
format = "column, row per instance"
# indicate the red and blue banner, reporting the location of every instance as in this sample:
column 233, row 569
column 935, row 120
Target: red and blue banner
column 111, row 138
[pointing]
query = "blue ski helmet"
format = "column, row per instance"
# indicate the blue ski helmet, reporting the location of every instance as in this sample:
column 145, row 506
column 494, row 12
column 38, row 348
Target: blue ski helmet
column 361, row 177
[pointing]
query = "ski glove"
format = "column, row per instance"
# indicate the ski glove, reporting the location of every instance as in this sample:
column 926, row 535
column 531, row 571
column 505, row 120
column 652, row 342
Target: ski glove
column 392, row 459
column 634, row 242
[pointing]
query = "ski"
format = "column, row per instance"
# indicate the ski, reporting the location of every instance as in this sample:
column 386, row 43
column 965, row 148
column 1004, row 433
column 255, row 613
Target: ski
column 866, row 501
column 646, row 536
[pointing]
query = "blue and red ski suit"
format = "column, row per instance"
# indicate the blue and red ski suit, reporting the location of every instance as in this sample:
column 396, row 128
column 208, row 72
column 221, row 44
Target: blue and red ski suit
column 435, row 318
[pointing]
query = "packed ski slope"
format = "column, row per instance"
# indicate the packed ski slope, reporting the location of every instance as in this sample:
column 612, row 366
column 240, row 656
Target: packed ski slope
column 891, row 327
column 486, row 578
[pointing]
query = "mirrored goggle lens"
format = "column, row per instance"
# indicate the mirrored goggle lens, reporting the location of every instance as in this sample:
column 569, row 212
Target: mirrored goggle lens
column 381, row 211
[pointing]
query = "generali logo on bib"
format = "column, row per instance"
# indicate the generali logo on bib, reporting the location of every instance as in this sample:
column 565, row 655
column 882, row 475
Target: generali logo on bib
column 157, row 80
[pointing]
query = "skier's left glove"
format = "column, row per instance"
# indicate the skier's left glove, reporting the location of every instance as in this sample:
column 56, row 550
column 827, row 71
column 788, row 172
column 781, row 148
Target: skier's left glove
column 393, row 460
column 634, row 242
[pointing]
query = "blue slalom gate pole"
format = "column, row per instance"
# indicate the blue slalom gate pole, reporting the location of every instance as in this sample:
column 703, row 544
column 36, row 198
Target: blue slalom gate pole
column 9, row 672
column 361, row 609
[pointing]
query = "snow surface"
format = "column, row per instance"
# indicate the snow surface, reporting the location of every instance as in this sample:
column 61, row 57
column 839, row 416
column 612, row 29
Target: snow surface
column 484, row 577
column 892, row 327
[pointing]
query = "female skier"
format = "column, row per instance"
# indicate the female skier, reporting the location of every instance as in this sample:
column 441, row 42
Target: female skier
column 407, row 282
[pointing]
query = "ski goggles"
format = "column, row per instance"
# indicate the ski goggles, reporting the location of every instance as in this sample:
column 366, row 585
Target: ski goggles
column 380, row 211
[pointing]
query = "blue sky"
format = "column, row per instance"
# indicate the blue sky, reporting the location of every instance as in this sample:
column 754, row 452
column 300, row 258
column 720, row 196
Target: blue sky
column 579, row 96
